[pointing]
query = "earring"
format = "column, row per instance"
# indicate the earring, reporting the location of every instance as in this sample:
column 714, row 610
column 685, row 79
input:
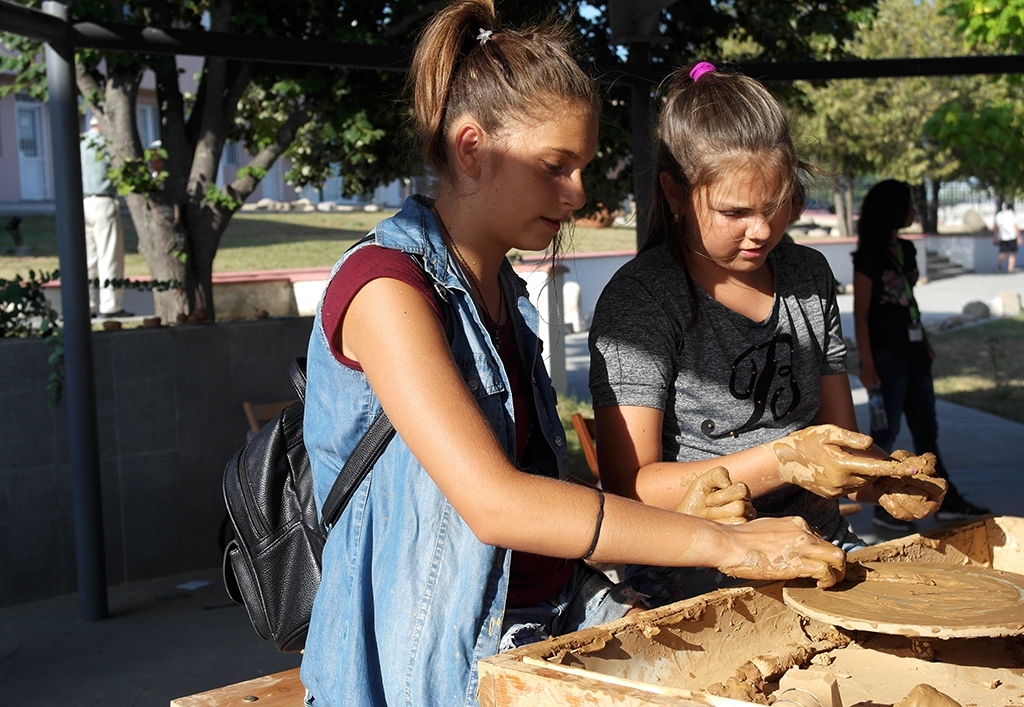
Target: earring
column 675, row 217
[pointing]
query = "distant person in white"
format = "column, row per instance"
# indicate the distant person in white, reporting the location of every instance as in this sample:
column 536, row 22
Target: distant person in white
column 104, row 239
column 1007, row 237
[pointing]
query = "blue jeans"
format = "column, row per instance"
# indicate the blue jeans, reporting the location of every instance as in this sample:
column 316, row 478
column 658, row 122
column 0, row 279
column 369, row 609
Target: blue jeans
column 907, row 389
column 589, row 598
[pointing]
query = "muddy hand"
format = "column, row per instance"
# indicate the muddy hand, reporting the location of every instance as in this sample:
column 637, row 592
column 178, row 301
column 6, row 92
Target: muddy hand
column 714, row 496
column 824, row 459
column 911, row 497
column 783, row 548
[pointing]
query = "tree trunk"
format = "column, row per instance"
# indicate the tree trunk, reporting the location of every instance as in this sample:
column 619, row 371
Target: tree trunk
column 161, row 242
column 840, row 206
column 179, row 229
column 844, row 204
column 926, row 203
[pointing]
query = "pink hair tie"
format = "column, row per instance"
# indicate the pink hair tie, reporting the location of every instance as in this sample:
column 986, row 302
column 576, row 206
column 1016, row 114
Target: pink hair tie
column 700, row 69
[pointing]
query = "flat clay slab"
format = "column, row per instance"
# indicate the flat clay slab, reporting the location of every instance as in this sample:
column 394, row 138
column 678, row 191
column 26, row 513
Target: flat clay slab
column 915, row 599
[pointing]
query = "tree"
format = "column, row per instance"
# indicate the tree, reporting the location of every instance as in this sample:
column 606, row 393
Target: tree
column 987, row 136
column 278, row 110
column 877, row 126
column 738, row 31
column 319, row 117
column 998, row 23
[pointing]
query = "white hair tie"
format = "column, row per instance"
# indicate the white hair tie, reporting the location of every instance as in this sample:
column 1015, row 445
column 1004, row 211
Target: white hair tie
column 484, row 35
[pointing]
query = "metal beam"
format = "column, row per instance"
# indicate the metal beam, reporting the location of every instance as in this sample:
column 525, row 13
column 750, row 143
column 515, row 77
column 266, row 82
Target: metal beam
column 79, row 378
column 136, row 39
column 841, row 69
column 30, row 23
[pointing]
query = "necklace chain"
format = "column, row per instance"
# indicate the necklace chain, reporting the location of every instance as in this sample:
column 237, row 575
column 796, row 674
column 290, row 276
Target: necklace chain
column 496, row 334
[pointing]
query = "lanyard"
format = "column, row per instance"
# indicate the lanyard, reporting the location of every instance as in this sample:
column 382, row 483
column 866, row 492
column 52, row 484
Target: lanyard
column 914, row 314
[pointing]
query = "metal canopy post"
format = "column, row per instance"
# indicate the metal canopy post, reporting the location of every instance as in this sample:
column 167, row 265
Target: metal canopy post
column 79, row 381
column 641, row 109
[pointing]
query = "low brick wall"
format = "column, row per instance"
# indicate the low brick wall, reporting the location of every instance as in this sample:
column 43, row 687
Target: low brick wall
column 169, row 409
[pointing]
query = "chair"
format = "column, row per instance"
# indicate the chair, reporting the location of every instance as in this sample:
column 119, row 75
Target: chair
column 585, row 431
column 260, row 414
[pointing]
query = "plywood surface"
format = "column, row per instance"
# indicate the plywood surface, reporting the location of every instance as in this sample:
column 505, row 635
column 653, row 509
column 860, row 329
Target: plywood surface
column 278, row 690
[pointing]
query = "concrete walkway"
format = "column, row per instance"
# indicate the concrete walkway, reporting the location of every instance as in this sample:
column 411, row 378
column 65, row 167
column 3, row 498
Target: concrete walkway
column 180, row 635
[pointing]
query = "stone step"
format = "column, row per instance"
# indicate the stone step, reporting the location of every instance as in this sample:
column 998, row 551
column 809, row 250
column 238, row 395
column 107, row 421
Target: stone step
column 940, row 267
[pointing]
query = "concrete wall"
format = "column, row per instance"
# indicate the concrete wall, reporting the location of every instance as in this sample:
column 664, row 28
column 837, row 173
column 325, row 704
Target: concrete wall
column 593, row 270
column 170, row 416
column 974, row 251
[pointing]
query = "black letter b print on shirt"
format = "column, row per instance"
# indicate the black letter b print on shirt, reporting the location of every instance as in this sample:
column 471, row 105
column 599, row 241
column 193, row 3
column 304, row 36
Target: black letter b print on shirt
column 763, row 373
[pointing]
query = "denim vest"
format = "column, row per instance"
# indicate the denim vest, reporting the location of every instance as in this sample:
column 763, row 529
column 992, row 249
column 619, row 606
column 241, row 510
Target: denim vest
column 410, row 600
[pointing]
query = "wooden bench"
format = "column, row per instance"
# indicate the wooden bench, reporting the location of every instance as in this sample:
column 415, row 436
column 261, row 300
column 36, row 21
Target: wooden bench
column 278, row 690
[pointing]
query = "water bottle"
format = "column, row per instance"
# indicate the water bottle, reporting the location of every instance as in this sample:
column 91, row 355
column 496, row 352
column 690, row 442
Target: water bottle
column 876, row 408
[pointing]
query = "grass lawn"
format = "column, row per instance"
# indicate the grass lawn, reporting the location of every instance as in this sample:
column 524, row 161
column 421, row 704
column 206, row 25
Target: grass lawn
column 982, row 367
column 265, row 241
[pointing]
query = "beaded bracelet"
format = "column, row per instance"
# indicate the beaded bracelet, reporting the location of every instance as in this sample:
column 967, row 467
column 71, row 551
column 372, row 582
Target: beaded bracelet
column 597, row 527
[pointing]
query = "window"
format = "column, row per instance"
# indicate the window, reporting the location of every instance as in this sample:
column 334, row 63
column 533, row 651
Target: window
column 230, row 156
column 28, row 134
column 149, row 125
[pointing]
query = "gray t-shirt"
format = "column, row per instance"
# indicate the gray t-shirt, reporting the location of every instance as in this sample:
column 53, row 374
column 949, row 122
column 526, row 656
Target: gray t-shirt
column 727, row 383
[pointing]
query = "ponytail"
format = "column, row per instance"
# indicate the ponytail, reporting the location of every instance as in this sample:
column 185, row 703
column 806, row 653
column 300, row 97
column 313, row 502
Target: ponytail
column 442, row 46
column 464, row 64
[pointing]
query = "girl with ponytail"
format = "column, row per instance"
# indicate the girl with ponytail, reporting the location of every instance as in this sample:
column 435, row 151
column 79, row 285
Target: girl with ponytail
column 465, row 538
column 717, row 345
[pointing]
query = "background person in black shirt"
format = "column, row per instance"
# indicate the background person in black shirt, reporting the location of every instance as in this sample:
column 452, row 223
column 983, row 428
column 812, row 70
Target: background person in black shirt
column 895, row 355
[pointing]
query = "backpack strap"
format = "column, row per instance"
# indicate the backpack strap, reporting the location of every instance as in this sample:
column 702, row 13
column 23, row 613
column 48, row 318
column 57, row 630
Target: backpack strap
column 376, row 438
column 297, row 375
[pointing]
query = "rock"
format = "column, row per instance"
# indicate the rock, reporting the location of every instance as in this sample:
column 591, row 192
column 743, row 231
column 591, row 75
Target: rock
column 976, row 310
column 972, row 222
column 371, row 207
column 151, row 322
column 301, row 203
column 111, row 326
column 325, row 206
column 265, row 203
